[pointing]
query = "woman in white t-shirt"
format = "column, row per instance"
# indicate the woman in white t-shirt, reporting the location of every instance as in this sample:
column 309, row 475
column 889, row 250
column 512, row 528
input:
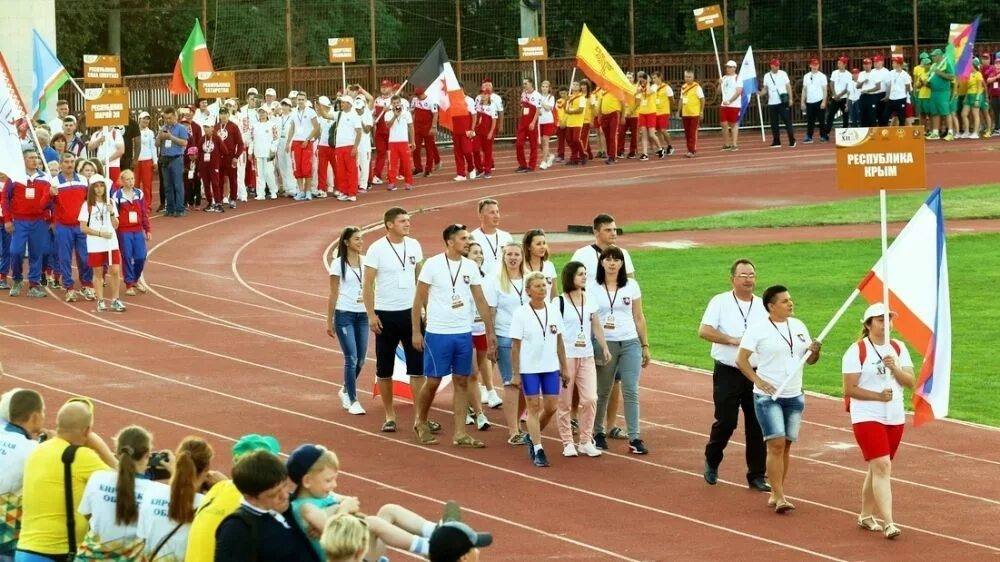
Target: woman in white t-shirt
column 729, row 113
column 166, row 512
column 538, row 356
column 505, row 295
column 581, row 326
column 536, row 258
column 145, row 146
column 546, row 123
column 99, row 221
column 875, row 375
column 346, row 318
column 780, row 343
column 481, row 365
column 111, row 500
column 619, row 307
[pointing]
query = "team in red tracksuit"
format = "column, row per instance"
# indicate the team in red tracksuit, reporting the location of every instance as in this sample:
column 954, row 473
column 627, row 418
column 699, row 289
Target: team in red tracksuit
column 71, row 195
column 462, row 136
column 133, row 229
column 24, row 209
column 424, row 125
column 232, row 149
column 485, row 126
column 527, row 126
column 210, row 158
column 381, row 133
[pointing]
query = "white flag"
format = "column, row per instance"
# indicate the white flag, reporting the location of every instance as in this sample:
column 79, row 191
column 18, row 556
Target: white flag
column 13, row 127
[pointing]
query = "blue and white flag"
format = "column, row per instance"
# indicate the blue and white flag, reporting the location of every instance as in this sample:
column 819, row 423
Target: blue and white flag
column 747, row 78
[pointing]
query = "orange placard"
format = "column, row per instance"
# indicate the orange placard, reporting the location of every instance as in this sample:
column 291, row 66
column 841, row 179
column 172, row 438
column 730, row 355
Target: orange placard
column 109, row 109
column 532, row 48
column 341, row 49
column 102, row 69
column 874, row 158
column 708, row 17
column 217, row 84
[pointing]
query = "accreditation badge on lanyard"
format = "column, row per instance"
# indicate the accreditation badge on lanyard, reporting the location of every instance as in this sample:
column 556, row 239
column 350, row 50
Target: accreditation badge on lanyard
column 581, row 338
column 456, row 299
column 609, row 322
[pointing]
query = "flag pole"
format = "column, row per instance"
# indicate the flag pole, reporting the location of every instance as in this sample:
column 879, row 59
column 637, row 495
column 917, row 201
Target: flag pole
column 885, row 263
column 343, row 75
column 715, row 46
column 760, row 111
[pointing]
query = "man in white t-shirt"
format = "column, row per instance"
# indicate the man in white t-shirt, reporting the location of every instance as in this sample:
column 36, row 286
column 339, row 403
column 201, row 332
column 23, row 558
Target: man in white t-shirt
column 870, row 85
column 304, row 130
column 732, row 101
column 490, row 237
column 841, row 87
column 392, row 264
column 365, row 148
column 450, row 289
column 18, row 438
column 400, row 124
column 777, row 88
column 814, row 96
column 726, row 318
column 62, row 111
column 496, row 102
column 880, row 76
column 898, row 88
column 605, row 234
column 109, row 146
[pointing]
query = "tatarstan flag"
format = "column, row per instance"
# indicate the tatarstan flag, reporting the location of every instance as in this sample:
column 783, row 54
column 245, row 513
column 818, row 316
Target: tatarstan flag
column 194, row 58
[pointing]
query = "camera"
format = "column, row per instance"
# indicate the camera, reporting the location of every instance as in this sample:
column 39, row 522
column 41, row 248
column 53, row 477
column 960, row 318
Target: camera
column 155, row 469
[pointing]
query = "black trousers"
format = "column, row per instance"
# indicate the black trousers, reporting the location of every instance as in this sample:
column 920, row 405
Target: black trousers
column 882, row 111
column 869, row 109
column 897, row 108
column 731, row 391
column 814, row 116
column 779, row 112
column 832, row 107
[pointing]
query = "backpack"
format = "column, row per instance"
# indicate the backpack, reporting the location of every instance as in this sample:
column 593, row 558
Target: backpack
column 253, row 524
column 862, row 357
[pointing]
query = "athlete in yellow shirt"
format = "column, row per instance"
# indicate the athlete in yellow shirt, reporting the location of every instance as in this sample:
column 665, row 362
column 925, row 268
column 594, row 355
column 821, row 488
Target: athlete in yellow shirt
column 576, row 108
column 975, row 100
column 561, row 124
column 645, row 94
column 692, row 111
column 611, row 112
column 664, row 95
column 630, row 123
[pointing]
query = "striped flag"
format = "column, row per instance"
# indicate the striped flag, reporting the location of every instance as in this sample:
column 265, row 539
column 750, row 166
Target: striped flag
column 918, row 293
column 50, row 74
column 13, row 126
column 446, row 92
column 401, row 380
column 748, row 79
column 961, row 47
column 194, row 58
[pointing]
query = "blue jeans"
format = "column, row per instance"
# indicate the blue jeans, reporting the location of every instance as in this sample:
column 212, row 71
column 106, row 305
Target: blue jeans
column 174, row 177
column 626, row 360
column 503, row 359
column 352, row 333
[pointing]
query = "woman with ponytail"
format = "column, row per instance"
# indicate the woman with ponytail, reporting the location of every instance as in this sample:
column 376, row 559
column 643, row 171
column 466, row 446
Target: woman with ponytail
column 166, row 512
column 346, row 318
column 111, row 500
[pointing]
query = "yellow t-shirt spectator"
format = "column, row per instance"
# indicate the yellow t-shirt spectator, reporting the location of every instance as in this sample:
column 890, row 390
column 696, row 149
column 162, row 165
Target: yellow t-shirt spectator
column 663, row 99
column 920, row 77
column 219, row 502
column 975, row 84
column 576, row 101
column 692, row 100
column 560, row 109
column 610, row 104
column 43, row 520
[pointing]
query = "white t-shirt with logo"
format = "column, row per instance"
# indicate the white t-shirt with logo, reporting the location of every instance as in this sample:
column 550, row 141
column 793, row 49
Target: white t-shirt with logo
column 545, row 116
column 729, row 85
column 303, row 121
column 154, row 524
column 14, row 451
column 349, row 297
column 99, row 218
column 539, row 332
column 842, row 83
column 450, row 306
column 111, row 143
column 614, row 308
column 399, row 130
column 98, row 501
column 488, row 109
column 492, row 245
column 878, row 76
column 347, row 128
column 577, row 326
column 876, row 378
column 732, row 316
column 815, row 84
column 549, row 271
column 897, row 83
column 776, row 361
column 777, row 83
column 588, row 256
column 395, row 283
column 505, row 300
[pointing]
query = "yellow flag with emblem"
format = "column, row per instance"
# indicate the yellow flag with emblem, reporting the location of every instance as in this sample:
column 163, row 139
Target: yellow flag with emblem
column 598, row 64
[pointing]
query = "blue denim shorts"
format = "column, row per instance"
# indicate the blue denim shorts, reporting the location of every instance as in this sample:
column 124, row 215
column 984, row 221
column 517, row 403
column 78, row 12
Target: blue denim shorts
column 503, row 359
column 781, row 417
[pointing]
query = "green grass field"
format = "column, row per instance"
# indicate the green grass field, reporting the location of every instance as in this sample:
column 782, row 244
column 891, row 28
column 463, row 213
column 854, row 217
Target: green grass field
column 677, row 285
column 976, row 202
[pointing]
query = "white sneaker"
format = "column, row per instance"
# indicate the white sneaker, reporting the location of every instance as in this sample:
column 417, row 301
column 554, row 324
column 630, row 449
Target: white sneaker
column 544, row 165
column 460, row 178
column 356, row 409
column 259, row 198
column 469, row 420
column 273, row 196
column 493, row 399
column 548, row 163
column 376, row 180
column 225, row 200
column 972, row 136
column 481, row 422
column 569, row 450
column 344, row 400
column 589, row 449
column 483, row 395
column 472, row 174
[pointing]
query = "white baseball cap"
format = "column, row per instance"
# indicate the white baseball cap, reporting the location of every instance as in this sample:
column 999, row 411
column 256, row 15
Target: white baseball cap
column 293, row 94
column 360, row 103
column 875, row 311
column 263, row 108
column 143, row 114
column 731, row 63
column 270, row 92
column 286, row 101
column 252, row 91
column 324, row 101
column 97, row 178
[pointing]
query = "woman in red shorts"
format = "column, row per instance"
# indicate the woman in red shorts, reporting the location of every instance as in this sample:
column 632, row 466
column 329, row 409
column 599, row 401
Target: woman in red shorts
column 875, row 374
column 99, row 221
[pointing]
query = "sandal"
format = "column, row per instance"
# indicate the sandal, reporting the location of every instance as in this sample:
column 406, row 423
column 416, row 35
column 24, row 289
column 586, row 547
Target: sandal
column 771, row 502
column 468, row 442
column 617, row 433
column 891, row 531
column 783, row 506
column 424, row 436
column 389, row 426
column 869, row 523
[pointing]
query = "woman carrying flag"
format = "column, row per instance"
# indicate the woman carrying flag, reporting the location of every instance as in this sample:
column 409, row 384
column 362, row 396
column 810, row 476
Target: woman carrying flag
column 729, row 113
column 875, row 374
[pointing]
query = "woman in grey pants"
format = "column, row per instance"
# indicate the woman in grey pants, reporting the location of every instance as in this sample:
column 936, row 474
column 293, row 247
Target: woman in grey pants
column 619, row 302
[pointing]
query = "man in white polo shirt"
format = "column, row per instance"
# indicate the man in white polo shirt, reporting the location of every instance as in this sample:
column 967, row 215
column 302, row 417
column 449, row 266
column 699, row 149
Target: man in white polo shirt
column 841, row 87
column 778, row 89
column 814, row 96
column 490, row 237
column 605, row 234
column 450, row 288
column 726, row 318
column 898, row 88
column 18, row 438
column 880, row 76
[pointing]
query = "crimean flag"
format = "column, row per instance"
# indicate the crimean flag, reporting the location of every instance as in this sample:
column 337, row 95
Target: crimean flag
column 598, row 64
column 918, row 293
column 401, row 380
column 49, row 73
column 747, row 78
column 446, row 92
column 13, row 126
column 194, row 58
column 961, row 47
column 430, row 67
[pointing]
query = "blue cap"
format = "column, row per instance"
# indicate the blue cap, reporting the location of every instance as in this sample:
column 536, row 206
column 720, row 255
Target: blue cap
column 301, row 461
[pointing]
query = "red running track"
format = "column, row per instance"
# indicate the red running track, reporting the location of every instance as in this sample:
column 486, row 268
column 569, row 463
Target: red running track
column 232, row 341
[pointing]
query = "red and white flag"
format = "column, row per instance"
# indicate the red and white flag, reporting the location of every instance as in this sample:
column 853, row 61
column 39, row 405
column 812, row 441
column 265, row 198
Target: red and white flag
column 446, row 92
column 401, row 380
column 918, row 293
column 13, row 126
